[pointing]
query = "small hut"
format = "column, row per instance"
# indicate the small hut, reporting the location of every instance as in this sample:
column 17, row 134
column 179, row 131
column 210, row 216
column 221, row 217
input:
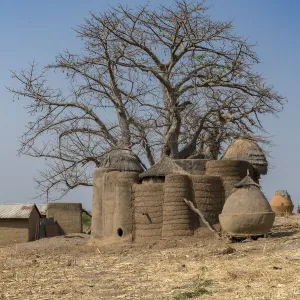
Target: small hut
column 157, row 173
column 122, row 159
column 19, row 223
column 247, row 149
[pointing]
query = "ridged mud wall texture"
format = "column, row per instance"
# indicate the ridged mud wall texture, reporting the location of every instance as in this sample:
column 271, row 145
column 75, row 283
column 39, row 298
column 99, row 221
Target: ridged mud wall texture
column 116, row 203
column 147, row 211
column 177, row 217
column 208, row 195
column 231, row 172
column 282, row 204
column 67, row 215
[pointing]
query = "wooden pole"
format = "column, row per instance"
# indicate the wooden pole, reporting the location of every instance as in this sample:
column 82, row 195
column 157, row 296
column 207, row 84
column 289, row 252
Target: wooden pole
column 201, row 216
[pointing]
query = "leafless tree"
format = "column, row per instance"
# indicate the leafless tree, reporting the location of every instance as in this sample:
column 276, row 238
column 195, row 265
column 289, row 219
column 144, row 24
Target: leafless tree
column 169, row 81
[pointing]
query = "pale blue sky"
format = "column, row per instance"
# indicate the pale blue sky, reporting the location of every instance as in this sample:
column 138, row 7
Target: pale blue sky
column 38, row 30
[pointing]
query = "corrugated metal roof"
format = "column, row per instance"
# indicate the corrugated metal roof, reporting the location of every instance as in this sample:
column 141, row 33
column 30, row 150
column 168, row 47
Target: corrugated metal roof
column 16, row 211
column 42, row 208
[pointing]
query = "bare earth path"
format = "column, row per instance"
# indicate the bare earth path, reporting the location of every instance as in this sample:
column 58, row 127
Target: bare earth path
column 203, row 268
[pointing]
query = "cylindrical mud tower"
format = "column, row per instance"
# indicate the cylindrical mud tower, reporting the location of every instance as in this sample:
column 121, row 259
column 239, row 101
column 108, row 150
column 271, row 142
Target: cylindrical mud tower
column 147, row 211
column 282, row 204
column 97, row 225
column 123, row 215
column 112, row 207
column 176, row 214
column 231, row 172
column 208, row 195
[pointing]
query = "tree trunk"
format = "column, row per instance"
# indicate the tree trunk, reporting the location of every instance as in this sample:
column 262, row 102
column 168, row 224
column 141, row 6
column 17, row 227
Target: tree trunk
column 125, row 140
column 172, row 124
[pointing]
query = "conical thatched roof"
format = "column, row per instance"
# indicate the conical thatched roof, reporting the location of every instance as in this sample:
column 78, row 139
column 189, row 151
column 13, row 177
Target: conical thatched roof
column 122, row 160
column 248, row 150
column 165, row 166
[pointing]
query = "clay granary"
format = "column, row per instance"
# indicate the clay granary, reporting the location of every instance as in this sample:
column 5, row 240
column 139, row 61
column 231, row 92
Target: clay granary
column 149, row 205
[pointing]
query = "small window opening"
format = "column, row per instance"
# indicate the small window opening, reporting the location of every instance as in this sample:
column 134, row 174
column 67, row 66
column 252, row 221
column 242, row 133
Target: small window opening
column 120, row 232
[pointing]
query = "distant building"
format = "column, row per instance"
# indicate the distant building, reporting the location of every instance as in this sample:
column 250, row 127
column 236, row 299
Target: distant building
column 42, row 209
column 18, row 223
column 67, row 215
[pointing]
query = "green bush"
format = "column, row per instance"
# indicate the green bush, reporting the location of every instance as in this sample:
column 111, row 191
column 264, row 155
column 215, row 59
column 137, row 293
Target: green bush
column 86, row 220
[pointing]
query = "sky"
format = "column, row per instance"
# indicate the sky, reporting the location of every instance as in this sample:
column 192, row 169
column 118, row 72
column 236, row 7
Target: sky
column 38, row 30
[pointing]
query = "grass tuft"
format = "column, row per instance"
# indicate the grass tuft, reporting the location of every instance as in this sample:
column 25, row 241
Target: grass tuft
column 196, row 290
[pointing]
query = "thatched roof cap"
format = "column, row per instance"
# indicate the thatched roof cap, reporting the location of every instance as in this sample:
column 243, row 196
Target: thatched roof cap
column 122, row 160
column 165, row 166
column 247, row 181
column 248, row 150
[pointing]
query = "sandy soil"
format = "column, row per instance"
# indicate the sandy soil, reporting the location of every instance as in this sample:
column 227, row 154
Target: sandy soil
column 75, row 267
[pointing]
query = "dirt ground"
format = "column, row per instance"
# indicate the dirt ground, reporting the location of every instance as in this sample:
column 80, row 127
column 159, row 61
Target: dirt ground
column 75, row 267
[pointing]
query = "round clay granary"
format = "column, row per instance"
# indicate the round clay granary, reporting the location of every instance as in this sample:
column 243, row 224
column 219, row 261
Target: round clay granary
column 246, row 211
column 247, row 149
column 282, row 204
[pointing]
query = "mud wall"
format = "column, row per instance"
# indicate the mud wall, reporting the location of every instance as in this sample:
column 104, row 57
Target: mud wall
column 13, row 231
column 148, row 211
column 208, row 196
column 34, row 226
column 231, row 172
column 67, row 215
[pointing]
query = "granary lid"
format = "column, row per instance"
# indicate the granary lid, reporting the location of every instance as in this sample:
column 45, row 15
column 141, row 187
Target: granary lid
column 165, row 166
column 247, row 181
column 122, row 159
column 245, row 148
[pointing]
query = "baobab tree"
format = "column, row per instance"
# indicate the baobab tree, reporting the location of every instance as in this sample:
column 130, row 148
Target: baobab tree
column 166, row 81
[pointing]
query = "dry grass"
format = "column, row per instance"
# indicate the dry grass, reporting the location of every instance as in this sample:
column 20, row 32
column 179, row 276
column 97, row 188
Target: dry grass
column 202, row 268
